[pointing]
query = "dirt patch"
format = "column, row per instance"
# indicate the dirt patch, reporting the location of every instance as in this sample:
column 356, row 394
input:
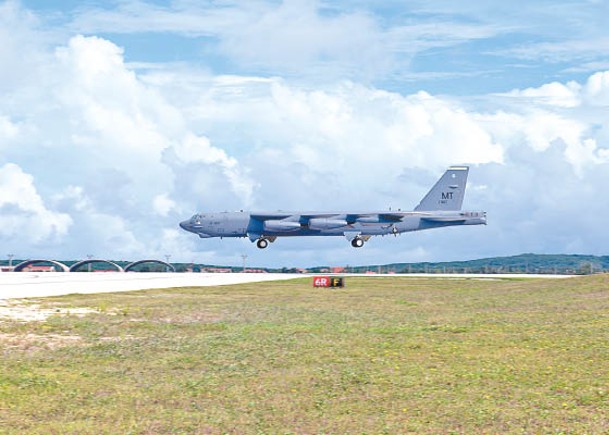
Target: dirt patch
column 17, row 310
column 117, row 339
column 201, row 317
column 32, row 342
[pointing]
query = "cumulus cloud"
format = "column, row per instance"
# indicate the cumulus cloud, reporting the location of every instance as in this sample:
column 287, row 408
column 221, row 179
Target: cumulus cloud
column 545, row 123
column 8, row 130
column 163, row 204
column 311, row 146
column 352, row 145
column 100, row 142
column 197, row 149
column 114, row 158
column 596, row 90
column 23, row 213
column 553, row 94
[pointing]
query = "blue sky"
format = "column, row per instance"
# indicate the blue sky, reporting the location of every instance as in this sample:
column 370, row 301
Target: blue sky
column 120, row 119
column 440, row 47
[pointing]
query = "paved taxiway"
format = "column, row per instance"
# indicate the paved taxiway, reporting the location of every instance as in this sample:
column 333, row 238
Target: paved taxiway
column 28, row 284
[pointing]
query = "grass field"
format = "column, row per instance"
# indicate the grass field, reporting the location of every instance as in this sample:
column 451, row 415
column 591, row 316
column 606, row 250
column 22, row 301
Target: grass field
column 384, row 355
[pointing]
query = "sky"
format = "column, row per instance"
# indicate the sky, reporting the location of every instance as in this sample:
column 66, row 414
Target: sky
column 119, row 119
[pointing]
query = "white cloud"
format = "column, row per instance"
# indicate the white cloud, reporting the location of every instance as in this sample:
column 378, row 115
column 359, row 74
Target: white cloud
column 351, row 145
column 126, row 123
column 544, row 122
column 341, row 138
column 198, row 149
column 109, row 235
column 294, row 35
column 320, row 40
column 553, row 94
column 163, row 205
column 566, row 50
column 8, row 130
column 596, row 90
column 20, row 48
column 23, row 213
column 309, row 38
column 100, row 142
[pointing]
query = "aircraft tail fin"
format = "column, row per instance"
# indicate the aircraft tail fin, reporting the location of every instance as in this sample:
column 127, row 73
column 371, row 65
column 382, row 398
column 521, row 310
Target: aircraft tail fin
column 447, row 194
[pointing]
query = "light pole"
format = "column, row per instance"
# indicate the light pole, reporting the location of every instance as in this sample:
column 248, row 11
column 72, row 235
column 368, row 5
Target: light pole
column 10, row 260
column 167, row 257
column 244, row 257
column 89, row 256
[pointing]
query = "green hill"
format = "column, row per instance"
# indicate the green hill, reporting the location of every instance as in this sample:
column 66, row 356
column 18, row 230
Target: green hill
column 524, row 263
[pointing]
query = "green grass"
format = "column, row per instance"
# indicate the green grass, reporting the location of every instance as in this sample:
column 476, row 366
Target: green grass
column 383, row 355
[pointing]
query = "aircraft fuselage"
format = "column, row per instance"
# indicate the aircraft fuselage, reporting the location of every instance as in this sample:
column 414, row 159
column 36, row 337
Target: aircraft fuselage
column 278, row 224
column 441, row 207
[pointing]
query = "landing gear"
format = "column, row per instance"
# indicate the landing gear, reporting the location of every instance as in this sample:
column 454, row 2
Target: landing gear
column 262, row 243
column 357, row 242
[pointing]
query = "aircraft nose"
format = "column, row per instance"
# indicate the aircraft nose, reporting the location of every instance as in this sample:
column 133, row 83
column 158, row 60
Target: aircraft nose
column 185, row 225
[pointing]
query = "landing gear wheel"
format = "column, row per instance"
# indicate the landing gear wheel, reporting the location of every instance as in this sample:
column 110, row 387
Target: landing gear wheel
column 262, row 243
column 357, row 242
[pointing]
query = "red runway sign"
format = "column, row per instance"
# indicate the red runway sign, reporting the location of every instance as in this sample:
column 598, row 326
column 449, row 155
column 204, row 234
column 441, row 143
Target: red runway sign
column 328, row 281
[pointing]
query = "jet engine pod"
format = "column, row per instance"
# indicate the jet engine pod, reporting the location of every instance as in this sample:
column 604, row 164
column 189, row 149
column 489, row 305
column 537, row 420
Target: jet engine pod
column 281, row 226
column 326, row 224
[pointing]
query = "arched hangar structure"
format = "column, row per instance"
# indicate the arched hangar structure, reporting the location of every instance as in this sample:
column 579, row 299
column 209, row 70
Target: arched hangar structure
column 79, row 264
column 130, row 266
column 26, row 263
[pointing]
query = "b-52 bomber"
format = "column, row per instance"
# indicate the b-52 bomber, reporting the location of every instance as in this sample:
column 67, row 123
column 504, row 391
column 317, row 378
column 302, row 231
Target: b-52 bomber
column 441, row 207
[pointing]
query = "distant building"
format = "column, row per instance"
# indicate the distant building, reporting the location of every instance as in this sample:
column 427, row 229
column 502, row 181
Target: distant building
column 255, row 271
column 216, row 270
column 38, row 268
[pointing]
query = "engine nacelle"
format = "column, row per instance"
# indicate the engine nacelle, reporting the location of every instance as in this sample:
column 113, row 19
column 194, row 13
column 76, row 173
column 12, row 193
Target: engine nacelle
column 281, row 226
column 326, row 224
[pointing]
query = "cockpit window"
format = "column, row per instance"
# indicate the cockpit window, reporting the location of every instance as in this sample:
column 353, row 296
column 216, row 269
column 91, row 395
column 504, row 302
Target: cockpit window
column 196, row 219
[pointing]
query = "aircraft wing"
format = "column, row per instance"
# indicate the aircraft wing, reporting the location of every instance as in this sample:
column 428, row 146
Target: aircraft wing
column 270, row 216
column 393, row 217
column 388, row 217
column 281, row 215
column 443, row 219
column 318, row 215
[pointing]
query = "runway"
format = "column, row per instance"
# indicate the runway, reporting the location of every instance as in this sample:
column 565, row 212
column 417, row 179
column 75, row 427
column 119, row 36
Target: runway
column 30, row 285
column 15, row 285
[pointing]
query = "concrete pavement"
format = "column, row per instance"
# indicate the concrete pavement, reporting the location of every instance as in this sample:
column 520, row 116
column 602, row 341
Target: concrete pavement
column 30, row 284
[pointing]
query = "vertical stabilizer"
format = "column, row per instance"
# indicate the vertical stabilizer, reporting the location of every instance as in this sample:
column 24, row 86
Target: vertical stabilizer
column 447, row 194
